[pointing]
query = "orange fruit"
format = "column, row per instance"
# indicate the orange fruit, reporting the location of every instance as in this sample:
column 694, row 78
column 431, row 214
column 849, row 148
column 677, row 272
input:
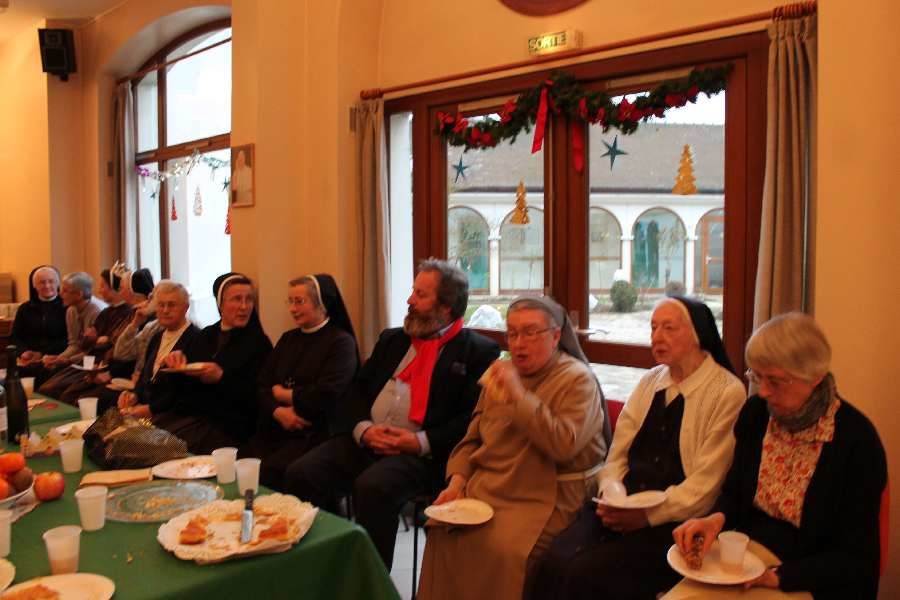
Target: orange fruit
column 12, row 462
column 4, row 489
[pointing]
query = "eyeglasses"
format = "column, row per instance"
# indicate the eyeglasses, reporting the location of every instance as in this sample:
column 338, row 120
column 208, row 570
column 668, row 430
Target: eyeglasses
column 775, row 383
column 294, row 302
column 240, row 300
column 529, row 335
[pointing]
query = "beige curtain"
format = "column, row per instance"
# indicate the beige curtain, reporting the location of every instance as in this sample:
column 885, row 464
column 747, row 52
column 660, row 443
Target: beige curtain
column 786, row 248
column 126, row 180
column 374, row 210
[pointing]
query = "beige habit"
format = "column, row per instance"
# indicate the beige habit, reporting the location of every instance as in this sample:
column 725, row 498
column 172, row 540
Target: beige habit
column 512, row 457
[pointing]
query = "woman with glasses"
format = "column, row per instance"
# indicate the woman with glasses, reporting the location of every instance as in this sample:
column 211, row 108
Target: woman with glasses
column 531, row 451
column 674, row 435
column 808, row 474
column 229, row 354
column 303, row 382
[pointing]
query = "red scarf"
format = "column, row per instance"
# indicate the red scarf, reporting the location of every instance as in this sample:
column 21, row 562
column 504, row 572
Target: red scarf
column 417, row 374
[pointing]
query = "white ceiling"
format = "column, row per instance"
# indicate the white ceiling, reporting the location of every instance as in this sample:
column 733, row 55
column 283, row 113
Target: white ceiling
column 23, row 14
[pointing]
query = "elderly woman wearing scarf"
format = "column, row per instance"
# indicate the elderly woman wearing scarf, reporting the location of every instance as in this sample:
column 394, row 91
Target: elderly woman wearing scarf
column 807, row 478
column 303, row 382
column 531, row 451
column 232, row 352
column 674, row 435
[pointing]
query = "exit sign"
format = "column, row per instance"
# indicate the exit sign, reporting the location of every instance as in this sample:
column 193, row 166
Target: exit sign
column 558, row 41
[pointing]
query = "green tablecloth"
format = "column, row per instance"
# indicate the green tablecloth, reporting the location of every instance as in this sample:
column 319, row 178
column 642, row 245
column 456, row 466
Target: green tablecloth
column 336, row 559
column 52, row 411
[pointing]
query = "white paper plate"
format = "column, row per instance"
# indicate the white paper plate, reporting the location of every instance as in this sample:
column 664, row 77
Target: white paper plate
column 81, row 426
column 120, row 384
column 94, row 369
column 465, row 511
column 197, row 366
column 76, row 586
column 712, row 571
column 7, row 573
column 224, row 526
column 192, row 467
column 647, row 499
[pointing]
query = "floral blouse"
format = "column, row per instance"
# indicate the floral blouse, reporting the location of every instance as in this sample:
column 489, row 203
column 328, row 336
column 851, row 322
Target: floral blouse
column 787, row 466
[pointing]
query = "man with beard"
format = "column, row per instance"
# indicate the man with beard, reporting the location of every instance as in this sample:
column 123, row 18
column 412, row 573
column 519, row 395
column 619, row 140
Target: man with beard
column 406, row 410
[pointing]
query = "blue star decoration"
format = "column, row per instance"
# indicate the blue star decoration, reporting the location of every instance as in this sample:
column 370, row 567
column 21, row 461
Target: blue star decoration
column 611, row 151
column 460, row 169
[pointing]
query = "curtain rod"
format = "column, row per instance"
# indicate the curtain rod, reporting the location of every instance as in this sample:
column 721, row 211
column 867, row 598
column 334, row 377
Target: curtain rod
column 143, row 72
column 788, row 11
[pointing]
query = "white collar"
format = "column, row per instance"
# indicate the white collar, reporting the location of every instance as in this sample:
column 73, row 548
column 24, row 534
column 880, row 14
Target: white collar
column 316, row 327
column 693, row 381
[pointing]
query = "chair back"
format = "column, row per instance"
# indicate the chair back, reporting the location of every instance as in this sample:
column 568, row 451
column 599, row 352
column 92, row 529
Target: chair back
column 615, row 408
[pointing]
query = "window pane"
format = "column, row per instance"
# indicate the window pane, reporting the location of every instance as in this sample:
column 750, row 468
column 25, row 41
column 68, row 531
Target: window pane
column 198, row 92
column 661, row 190
column 502, row 258
column 605, row 249
column 401, row 164
column 199, row 248
column 617, row 382
column 147, row 106
column 149, row 255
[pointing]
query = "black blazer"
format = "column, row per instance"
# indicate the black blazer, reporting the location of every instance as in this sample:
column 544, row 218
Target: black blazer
column 454, row 387
column 161, row 392
column 835, row 553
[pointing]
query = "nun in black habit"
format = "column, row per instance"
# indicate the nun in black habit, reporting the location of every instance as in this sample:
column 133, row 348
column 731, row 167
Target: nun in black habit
column 674, row 435
column 232, row 352
column 40, row 324
column 302, row 385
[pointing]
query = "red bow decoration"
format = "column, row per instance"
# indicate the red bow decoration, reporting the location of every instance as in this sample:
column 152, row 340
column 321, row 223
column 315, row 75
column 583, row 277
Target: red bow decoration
column 578, row 145
column 540, row 123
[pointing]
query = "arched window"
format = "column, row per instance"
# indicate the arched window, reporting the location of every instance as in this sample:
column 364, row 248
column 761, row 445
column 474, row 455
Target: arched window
column 657, row 249
column 605, row 249
column 183, row 118
column 467, row 246
column 522, row 254
column 709, row 253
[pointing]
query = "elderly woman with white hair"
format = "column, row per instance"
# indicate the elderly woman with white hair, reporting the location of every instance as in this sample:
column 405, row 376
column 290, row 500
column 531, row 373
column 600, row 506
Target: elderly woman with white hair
column 806, row 483
column 40, row 324
column 674, row 435
column 536, row 439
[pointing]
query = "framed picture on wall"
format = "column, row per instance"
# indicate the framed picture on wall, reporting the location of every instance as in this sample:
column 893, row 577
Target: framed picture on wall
column 243, row 176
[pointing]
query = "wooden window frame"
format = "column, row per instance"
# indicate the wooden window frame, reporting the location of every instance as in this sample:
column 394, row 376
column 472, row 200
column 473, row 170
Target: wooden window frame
column 566, row 193
column 163, row 152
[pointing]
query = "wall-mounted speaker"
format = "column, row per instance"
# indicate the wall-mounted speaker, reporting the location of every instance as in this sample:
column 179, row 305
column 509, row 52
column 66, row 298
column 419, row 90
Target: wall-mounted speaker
column 57, row 52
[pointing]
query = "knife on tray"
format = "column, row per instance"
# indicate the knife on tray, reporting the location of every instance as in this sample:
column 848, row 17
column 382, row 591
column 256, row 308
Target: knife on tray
column 247, row 517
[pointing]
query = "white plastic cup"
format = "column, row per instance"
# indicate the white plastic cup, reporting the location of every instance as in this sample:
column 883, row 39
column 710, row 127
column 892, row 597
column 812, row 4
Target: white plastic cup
column 732, row 548
column 70, row 451
column 88, row 408
column 92, row 506
column 247, row 474
column 62, row 548
column 28, row 386
column 5, row 529
column 89, row 361
column 224, row 459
